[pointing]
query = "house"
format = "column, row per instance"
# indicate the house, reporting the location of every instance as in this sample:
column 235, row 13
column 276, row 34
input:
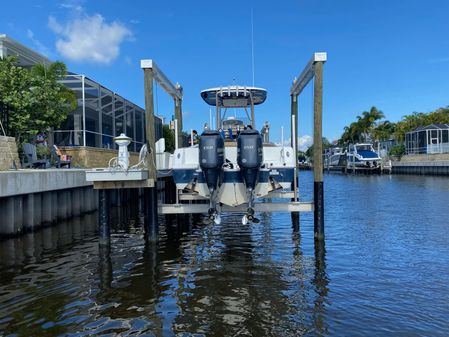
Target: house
column 433, row 138
column 101, row 113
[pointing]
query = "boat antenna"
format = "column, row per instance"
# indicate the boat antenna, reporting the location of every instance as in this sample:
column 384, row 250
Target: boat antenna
column 252, row 42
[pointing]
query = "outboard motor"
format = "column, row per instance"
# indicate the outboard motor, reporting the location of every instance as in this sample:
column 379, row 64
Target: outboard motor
column 211, row 159
column 250, row 158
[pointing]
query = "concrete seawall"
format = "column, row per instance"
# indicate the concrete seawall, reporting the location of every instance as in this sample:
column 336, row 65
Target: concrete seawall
column 434, row 167
column 30, row 199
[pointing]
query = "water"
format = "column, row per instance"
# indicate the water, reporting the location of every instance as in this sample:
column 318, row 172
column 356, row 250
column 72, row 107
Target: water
column 383, row 271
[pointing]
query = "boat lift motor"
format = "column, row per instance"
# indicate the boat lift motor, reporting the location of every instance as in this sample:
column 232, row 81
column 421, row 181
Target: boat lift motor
column 123, row 155
column 250, row 158
column 211, row 159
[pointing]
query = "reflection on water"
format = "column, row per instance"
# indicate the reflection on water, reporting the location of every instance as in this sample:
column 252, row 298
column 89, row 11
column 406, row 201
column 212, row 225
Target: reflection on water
column 382, row 271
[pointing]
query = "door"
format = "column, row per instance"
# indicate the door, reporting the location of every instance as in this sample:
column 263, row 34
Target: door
column 434, row 145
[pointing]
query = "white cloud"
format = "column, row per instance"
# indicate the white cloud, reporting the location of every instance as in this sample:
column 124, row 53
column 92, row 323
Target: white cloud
column 72, row 5
column 304, row 142
column 38, row 44
column 89, row 38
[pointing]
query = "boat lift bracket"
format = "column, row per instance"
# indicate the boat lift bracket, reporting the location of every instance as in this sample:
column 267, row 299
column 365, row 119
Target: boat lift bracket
column 307, row 74
column 174, row 90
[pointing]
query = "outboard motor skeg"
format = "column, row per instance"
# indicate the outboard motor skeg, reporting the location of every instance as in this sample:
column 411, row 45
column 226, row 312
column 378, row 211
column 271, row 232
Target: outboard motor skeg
column 211, row 158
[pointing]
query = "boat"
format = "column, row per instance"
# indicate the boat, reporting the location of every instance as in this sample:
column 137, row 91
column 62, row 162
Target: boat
column 362, row 156
column 233, row 169
column 334, row 157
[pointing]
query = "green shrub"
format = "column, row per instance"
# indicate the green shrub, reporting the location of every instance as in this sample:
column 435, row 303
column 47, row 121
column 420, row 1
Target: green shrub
column 397, row 151
column 43, row 152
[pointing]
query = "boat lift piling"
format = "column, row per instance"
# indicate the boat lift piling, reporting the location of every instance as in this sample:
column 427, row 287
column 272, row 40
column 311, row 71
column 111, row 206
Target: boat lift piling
column 145, row 179
column 150, row 193
column 314, row 69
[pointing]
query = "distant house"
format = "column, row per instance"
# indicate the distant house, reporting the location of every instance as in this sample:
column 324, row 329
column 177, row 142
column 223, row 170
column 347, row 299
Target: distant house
column 433, row 138
column 386, row 145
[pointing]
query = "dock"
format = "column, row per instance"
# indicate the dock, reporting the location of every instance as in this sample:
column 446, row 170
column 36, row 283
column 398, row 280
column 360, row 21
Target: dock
column 31, row 199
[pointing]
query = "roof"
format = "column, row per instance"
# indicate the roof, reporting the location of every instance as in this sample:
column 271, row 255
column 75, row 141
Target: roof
column 234, row 96
column 26, row 56
column 436, row 126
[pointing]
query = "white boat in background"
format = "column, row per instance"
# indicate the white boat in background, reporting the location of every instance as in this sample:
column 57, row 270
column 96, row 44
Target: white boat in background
column 334, row 157
column 362, row 156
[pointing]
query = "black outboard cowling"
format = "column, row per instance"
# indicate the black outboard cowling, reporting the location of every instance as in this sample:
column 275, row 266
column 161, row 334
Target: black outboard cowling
column 211, row 157
column 250, row 156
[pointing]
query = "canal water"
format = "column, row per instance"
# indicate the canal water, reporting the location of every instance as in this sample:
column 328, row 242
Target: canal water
column 384, row 270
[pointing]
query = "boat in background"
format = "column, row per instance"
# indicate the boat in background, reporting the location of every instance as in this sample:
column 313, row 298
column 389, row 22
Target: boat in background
column 362, row 156
column 334, row 157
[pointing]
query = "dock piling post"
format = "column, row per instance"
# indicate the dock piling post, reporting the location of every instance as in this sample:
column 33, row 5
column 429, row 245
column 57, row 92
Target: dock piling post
column 151, row 218
column 314, row 69
column 150, row 193
column 104, row 230
column 294, row 141
column 318, row 190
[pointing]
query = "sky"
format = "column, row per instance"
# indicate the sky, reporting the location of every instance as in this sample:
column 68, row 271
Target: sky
column 391, row 54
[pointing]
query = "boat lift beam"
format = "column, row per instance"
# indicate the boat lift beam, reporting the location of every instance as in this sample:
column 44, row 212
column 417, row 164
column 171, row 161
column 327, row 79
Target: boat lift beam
column 258, row 207
column 174, row 90
column 313, row 69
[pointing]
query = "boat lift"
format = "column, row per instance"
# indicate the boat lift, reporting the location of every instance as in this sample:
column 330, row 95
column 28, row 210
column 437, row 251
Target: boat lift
column 314, row 70
column 182, row 204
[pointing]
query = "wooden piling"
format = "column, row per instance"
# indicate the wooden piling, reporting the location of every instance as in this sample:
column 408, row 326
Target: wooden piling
column 178, row 117
column 294, row 140
column 318, row 152
column 150, row 193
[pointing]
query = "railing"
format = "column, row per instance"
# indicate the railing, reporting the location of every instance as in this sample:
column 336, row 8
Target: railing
column 428, row 149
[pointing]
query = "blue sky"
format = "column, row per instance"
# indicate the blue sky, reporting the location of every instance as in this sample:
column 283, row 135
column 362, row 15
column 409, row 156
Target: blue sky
column 391, row 54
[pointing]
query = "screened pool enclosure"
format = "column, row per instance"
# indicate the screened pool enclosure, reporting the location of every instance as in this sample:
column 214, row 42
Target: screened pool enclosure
column 432, row 138
column 101, row 115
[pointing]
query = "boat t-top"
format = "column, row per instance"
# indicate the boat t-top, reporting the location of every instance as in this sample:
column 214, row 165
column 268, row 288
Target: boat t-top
column 232, row 165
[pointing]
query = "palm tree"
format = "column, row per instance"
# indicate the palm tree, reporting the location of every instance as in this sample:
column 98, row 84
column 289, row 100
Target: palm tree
column 55, row 71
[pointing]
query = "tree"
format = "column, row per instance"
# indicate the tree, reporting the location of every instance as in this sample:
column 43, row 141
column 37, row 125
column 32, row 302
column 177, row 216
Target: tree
column 169, row 136
column 384, row 130
column 326, row 145
column 15, row 95
column 363, row 128
column 33, row 100
column 411, row 122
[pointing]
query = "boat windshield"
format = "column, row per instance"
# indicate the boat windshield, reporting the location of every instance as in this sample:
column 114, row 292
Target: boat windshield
column 232, row 128
column 364, row 147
